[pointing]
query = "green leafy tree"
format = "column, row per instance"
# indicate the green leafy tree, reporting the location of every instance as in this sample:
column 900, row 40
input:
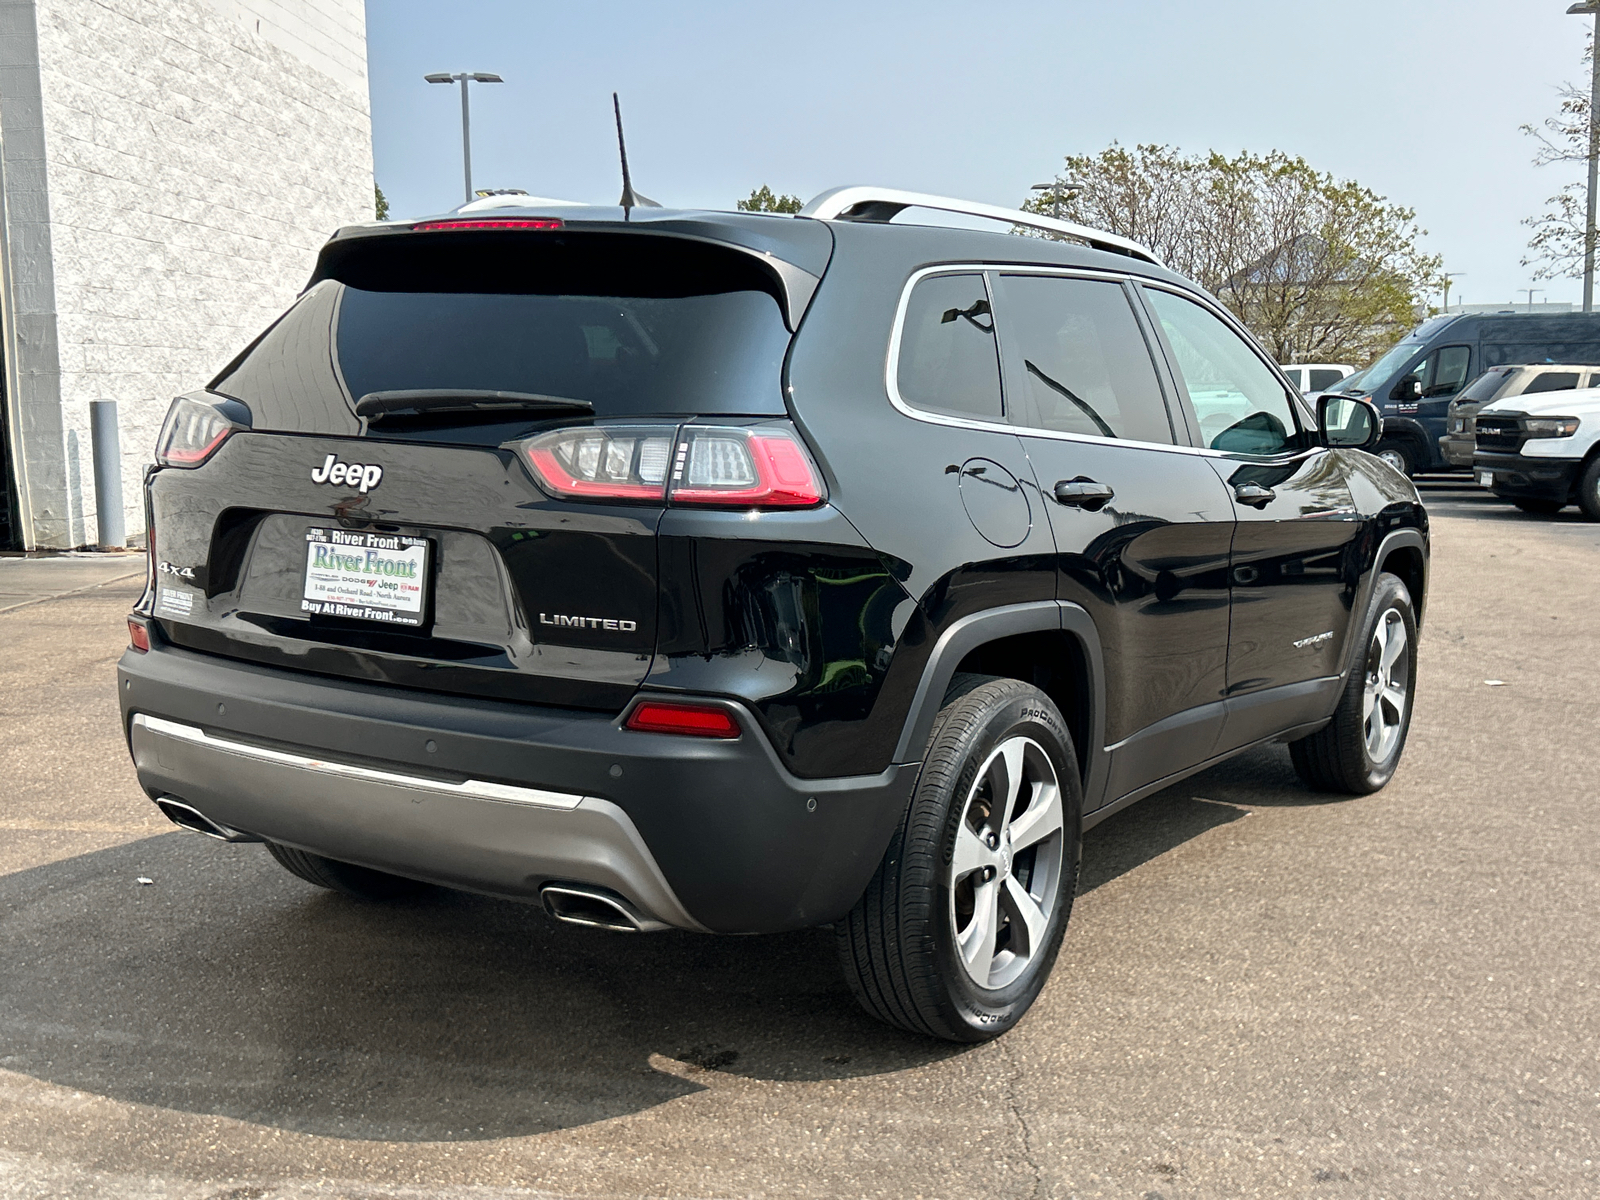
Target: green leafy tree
column 1319, row 269
column 763, row 200
column 381, row 203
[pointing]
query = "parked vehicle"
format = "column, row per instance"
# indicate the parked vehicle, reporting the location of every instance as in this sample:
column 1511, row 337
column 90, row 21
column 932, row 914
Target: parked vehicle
column 1414, row 382
column 1502, row 383
column 1316, row 377
column 744, row 573
column 1542, row 453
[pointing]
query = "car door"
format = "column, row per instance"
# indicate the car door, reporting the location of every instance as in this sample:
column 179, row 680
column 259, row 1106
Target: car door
column 1293, row 570
column 1142, row 525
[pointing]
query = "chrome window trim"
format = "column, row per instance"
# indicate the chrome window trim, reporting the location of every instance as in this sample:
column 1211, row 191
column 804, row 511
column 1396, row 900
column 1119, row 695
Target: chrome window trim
column 477, row 789
column 892, row 363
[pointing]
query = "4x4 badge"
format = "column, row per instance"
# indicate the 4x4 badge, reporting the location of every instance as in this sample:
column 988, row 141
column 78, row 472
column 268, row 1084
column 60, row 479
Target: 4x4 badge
column 362, row 476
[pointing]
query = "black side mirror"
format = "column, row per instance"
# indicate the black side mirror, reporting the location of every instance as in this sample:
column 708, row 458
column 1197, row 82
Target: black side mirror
column 1348, row 422
column 1407, row 388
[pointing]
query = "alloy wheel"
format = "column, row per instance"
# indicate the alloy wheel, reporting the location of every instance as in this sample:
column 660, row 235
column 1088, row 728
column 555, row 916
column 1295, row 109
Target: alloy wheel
column 1005, row 872
column 1388, row 689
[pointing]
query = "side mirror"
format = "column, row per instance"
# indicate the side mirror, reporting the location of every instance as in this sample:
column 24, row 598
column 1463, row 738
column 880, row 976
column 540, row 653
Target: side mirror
column 1347, row 422
column 1407, row 388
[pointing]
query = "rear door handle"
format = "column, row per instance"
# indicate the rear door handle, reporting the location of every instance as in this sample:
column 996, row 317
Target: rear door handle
column 1254, row 495
column 1083, row 492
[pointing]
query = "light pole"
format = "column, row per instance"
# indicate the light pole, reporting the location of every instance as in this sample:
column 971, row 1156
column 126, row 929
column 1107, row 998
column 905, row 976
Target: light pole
column 1057, row 187
column 1530, row 292
column 1448, row 276
column 1591, row 8
column 464, row 78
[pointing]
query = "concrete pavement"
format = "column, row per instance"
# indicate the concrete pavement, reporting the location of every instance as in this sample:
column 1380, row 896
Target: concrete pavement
column 1263, row 992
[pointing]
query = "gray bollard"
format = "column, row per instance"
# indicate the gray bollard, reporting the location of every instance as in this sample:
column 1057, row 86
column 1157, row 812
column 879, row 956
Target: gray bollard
column 107, row 473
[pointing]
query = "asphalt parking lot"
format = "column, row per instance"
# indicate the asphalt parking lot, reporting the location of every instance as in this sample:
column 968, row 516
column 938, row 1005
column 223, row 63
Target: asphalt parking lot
column 1263, row 992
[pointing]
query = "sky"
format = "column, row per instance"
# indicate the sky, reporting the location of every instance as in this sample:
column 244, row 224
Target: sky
column 1420, row 100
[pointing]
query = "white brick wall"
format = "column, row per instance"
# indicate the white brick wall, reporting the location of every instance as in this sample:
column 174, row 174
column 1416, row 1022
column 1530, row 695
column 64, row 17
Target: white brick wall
column 197, row 154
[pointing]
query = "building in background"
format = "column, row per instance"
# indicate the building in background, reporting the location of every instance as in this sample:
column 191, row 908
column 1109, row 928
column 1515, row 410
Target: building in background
column 168, row 169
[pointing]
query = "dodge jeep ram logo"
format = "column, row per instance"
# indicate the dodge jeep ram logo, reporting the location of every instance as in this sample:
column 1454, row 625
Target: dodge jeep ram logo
column 363, row 477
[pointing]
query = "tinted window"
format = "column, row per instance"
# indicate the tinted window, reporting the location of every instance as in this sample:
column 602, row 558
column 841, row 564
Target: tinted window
column 633, row 326
column 1241, row 404
column 1552, row 381
column 1485, row 386
column 1444, row 371
column 626, row 355
column 1086, row 366
column 948, row 361
column 1325, row 378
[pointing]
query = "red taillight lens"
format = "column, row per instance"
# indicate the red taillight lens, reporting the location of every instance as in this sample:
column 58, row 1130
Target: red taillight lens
column 764, row 467
column 191, row 433
column 695, row 720
column 603, row 463
column 138, row 636
column 489, row 223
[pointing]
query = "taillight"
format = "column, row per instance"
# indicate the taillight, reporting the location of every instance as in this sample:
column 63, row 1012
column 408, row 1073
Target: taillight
column 765, row 466
column 193, row 430
column 603, row 463
column 695, row 720
column 138, row 635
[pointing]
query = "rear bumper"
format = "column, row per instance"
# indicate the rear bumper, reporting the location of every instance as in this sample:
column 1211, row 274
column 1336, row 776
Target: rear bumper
column 1517, row 476
column 503, row 798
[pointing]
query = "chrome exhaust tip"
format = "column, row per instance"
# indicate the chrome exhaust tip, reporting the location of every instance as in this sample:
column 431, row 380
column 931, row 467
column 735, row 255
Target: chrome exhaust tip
column 579, row 905
column 186, row 816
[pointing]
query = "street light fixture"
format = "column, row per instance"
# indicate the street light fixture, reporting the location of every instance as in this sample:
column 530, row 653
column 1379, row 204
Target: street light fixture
column 1055, row 189
column 1448, row 276
column 1590, row 8
column 1530, row 292
column 464, row 78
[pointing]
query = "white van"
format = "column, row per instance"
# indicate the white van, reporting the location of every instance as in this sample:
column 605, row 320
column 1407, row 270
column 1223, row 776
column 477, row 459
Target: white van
column 1316, row 377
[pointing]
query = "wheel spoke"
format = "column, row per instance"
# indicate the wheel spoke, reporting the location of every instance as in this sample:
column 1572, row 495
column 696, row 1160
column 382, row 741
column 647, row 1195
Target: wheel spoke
column 1394, row 642
column 1395, row 697
column 970, row 854
column 1380, row 642
column 1027, row 918
column 977, row 942
column 1369, row 697
column 1007, row 774
column 1374, row 734
column 1040, row 819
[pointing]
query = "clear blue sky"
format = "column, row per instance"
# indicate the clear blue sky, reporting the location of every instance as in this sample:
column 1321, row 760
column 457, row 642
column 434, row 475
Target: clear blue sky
column 1420, row 100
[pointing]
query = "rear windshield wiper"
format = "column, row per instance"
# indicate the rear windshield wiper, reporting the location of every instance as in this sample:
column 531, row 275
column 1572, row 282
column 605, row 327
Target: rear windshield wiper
column 458, row 403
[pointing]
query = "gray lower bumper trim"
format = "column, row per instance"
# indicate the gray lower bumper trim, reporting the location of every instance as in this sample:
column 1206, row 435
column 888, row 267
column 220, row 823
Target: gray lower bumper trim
column 482, row 836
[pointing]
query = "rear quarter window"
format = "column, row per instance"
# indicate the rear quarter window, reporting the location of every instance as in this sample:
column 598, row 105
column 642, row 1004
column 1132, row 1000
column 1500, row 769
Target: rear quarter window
column 948, row 361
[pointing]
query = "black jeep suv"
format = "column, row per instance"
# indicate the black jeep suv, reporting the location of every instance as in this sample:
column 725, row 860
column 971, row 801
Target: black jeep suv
column 743, row 573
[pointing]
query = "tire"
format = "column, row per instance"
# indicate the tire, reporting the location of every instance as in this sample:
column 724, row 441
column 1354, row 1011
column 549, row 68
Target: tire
column 1352, row 754
column 1543, row 508
column 361, row 882
column 1589, row 490
column 950, row 880
column 1398, row 455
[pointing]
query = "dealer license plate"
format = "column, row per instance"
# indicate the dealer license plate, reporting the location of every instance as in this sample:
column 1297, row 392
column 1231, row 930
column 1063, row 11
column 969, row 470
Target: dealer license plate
column 365, row 576
column 1485, row 478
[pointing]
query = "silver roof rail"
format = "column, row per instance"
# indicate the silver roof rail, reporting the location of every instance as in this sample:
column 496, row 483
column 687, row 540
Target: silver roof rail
column 860, row 203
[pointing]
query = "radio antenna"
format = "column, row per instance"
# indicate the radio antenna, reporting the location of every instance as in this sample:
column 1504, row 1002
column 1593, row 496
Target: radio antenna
column 630, row 198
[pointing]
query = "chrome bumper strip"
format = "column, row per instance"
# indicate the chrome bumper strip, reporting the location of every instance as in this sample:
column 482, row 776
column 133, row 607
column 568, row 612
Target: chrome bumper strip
column 476, row 789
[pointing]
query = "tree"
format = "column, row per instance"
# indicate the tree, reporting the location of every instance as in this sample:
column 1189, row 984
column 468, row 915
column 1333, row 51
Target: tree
column 1557, row 241
column 1319, row 269
column 380, row 203
column 763, row 200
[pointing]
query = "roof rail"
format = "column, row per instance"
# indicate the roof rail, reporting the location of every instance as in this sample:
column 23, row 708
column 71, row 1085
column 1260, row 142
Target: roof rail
column 860, row 203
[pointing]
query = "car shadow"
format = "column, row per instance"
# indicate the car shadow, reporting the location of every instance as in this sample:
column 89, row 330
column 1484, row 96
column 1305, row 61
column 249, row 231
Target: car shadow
column 227, row 987
column 224, row 986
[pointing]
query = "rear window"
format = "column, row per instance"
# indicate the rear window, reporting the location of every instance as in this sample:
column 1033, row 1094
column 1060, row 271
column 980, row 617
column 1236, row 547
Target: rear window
column 1325, row 377
column 632, row 326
